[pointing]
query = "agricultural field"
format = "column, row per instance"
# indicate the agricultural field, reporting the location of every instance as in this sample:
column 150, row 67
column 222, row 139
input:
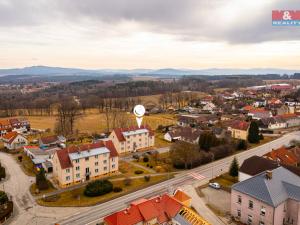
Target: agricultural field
column 92, row 122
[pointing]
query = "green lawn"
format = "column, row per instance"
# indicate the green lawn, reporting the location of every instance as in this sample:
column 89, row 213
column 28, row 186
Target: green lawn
column 26, row 165
column 128, row 169
column 77, row 198
column 161, row 164
column 41, row 192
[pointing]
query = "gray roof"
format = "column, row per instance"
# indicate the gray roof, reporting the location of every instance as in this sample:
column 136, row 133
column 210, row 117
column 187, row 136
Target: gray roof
column 283, row 185
column 181, row 220
column 88, row 153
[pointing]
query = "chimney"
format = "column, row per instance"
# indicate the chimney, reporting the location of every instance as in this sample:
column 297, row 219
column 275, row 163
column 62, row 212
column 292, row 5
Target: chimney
column 269, row 175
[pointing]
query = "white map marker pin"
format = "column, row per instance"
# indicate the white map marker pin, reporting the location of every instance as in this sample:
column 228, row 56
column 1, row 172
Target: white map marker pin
column 139, row 112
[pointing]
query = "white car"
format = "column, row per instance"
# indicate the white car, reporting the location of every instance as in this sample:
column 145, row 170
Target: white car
column 215, row 185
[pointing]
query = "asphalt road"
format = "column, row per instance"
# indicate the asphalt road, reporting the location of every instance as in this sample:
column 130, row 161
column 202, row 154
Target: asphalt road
column 95, row 214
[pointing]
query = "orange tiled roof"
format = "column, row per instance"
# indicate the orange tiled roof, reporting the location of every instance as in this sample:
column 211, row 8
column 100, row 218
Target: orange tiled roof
column 181, row 196
column 283, row 155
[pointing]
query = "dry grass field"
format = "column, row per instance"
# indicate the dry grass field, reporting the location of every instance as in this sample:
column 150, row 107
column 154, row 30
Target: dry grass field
column 92, row 122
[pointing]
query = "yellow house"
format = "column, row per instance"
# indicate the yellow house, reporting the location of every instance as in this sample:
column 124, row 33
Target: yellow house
column 239, row 129
column 77, row 164
column 132, row 139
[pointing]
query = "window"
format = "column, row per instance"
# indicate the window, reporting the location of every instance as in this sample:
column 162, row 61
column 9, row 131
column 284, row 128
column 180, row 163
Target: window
column 76, row 160
column 86, row 158
column 140, row 139
column 67, row 170
column 239, row 199
column 249, row 221
column 112, row 159
column 263, row 211
column 96, row 170
column 250, row 204
column 105, row 168
column 128, row 142
column 68, row 177
column 104, row 161
column 113, row 166
column 261, row 223
column 77, row 168
column 105, row 155
column 96, row 163
column 96, row 156
column 239, row 213
column 78, row 175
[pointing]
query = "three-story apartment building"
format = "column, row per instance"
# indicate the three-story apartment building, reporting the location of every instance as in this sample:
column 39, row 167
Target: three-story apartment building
column 132, row 139
column 85, row 162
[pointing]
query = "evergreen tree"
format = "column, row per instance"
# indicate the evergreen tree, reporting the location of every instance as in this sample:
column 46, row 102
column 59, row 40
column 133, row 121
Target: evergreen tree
column 208, row 140
column 234, row 168
column 253, row 136
column 41, row 180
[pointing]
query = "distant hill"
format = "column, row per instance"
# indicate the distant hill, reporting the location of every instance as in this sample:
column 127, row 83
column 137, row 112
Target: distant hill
column 46, row 70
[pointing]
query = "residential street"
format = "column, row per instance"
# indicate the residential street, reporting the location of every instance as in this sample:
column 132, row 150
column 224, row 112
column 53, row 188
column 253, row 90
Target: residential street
column 96, row 213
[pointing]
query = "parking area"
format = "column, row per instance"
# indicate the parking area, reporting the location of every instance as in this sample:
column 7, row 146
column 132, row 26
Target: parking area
column 217, row 199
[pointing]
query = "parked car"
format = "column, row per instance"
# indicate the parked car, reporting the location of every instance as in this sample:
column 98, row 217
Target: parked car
column 149, row 153
column 215, row 185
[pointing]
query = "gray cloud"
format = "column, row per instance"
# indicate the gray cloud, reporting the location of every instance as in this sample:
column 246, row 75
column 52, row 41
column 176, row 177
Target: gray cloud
column 186, row 19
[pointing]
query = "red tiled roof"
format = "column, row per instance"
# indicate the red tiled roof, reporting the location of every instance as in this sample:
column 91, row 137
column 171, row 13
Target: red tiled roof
column 283, row 155
column 258, row 110
column 148, row 210
column 163, row 208
column 63, row 155
column 240, row 125
column 288, row 116
column 118, row 131
column 10, row 136
column 129, row 216
column 248, row 107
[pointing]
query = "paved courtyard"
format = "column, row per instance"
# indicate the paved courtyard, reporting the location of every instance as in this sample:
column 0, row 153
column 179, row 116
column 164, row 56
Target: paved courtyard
column 219, row 199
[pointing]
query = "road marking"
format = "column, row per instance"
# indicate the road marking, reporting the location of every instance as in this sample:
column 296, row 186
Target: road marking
column 197, row 176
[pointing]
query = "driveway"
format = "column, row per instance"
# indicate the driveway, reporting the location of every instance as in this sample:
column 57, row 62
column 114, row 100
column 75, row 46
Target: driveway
column 200, row 206
column 219, row 199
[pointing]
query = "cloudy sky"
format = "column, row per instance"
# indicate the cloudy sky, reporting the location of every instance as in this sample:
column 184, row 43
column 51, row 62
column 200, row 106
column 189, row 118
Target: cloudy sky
column 147, row 34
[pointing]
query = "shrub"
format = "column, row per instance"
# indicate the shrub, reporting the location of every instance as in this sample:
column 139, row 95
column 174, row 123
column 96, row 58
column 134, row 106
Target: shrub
column 118, row 189
column 147, row 165
column 2, row 173
column 41, row 180
column 261, row 137
column 20, row 158
column 98, row 188
column 151, row 166
column 147, row 178
column 146, row 159
column 242, row 145
column 3, row 198
column 127, row 181
column 138, row 171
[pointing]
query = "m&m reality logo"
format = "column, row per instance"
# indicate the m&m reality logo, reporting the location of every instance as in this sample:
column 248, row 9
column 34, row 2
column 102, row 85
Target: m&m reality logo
column 286, row 17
